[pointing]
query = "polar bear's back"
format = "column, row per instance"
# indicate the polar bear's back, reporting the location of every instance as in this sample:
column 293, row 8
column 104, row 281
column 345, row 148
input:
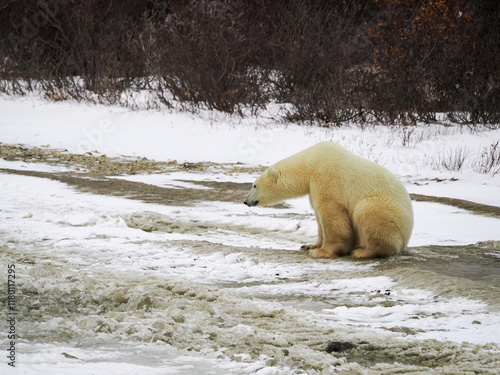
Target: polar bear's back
column 352, row 177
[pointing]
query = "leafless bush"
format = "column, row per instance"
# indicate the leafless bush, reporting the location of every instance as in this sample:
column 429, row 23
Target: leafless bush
column 452, row 160
column 388, row 61
column 207, row 56
column 407, row 134
column 69, row 49
column 437, row 56
column 318, row 59
column 488, row 161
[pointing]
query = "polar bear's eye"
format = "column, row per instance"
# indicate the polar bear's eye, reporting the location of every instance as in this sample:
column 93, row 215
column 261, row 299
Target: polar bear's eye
column 255, row 186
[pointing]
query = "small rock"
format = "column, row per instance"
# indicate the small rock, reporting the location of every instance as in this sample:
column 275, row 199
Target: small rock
column 179, row 318
column 339, row 346
column 69, row 355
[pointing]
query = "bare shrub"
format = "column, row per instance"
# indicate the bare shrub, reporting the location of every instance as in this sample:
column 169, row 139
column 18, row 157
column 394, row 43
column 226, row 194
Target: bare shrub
column 331, row 62
column 318, row 59
column 208, row 56
column 488, row 161
column 409, row 135
column 69, row 48
column 437, row 56
column 452, row 160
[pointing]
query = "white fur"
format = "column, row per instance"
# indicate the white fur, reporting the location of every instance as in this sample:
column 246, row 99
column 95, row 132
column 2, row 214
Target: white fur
column 360, row 206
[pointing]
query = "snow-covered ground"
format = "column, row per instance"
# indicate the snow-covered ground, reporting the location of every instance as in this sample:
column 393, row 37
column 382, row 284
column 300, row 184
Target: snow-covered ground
column 108, row 284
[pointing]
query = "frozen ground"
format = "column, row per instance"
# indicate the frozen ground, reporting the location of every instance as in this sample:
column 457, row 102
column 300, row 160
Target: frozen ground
column 169, row 273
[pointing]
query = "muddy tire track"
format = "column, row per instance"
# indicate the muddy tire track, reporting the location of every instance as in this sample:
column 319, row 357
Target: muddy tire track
column 473, row 207
column 472, row 271
column 219, row 191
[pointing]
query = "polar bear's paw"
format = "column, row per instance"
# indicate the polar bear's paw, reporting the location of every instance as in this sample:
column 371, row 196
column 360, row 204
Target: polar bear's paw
column 364, row 253
column 319, row 253
column 328, row 251
column 309, row 247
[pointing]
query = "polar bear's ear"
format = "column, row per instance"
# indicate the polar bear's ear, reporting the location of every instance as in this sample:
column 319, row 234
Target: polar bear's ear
column 273, row 173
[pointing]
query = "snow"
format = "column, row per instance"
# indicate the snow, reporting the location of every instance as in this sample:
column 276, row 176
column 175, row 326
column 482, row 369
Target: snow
column 75, row 243
column 215, row 137
column 124, row 358
column 471, row 187
column 446, row 225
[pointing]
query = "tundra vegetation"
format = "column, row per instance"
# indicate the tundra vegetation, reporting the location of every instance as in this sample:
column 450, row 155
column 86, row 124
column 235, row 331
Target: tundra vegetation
column 326, row 62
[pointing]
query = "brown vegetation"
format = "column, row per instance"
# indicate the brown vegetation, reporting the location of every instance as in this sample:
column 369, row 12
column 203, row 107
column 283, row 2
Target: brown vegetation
column 388, row 60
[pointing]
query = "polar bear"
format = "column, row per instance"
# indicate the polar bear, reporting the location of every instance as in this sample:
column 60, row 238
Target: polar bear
column 361, row 208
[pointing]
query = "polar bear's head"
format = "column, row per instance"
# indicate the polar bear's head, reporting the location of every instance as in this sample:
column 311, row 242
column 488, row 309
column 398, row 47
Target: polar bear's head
column 266, row 189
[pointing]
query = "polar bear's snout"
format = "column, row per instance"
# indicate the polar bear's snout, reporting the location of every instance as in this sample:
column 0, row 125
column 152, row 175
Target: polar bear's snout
column 251, row 203
column 251, row 200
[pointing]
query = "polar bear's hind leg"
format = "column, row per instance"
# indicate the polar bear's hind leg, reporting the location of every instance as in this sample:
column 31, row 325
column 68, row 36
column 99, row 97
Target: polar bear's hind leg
column 380, row 229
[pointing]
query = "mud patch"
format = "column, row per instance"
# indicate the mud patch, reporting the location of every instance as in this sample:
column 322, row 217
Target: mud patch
column 96, row 167
column 153, row 222
column 475, row 208
column 222, row 191
column 60, row 304
column 456, row 271
column 97, row 164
